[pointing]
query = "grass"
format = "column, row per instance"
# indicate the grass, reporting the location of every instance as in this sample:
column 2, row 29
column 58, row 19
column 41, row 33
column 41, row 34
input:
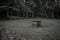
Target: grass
column 23, row 27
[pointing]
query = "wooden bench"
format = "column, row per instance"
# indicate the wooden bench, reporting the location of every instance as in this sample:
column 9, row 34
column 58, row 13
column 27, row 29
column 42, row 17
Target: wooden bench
column 36, row 23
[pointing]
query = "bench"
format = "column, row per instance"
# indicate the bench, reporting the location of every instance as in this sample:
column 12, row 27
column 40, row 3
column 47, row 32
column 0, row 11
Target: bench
column 36, row 23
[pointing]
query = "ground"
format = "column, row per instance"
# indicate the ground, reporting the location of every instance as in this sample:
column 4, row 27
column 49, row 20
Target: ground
column 50, row 29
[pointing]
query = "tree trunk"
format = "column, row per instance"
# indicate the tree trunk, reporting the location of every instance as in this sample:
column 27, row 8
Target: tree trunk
column 52, row 13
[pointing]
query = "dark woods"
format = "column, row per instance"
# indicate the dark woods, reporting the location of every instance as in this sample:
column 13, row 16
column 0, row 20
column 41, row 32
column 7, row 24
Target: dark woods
column 30, row 8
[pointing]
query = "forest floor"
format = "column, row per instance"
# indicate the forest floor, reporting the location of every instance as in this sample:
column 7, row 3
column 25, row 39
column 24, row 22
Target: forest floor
column 50, row 29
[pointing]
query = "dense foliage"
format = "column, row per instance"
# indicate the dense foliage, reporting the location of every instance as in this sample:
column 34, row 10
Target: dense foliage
column 44, row 8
